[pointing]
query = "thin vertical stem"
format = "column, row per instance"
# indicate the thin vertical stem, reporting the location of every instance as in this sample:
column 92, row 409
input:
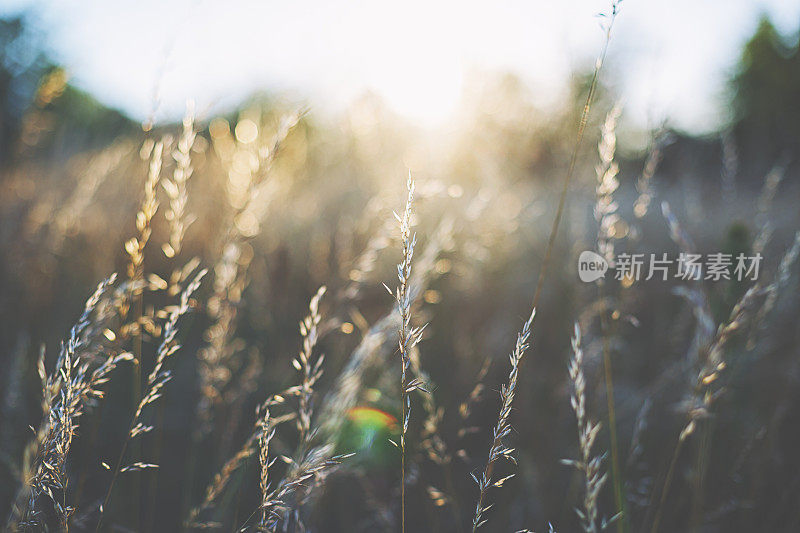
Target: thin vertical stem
column 408, row 336
column 612, row 425
column 667, row 483
column 574, row 158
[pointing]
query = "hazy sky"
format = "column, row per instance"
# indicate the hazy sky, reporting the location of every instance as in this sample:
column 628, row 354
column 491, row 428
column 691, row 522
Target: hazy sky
column 669, row 57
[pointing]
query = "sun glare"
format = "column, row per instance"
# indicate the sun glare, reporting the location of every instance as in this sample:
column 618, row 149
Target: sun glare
column 414, row 64
column 420, row 87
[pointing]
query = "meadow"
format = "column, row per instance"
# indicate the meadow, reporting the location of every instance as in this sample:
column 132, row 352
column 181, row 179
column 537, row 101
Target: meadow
column 267, row 321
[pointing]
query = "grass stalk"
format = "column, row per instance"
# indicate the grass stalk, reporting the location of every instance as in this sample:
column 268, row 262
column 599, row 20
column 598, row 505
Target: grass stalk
column 498, row 449
column 409, row 336
column 156, row 381
column 615, row 6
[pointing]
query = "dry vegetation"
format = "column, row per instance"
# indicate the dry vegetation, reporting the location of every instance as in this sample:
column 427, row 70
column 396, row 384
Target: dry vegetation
column 185, row 397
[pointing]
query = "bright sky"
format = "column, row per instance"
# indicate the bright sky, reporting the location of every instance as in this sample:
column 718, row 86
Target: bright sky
column 669, row 58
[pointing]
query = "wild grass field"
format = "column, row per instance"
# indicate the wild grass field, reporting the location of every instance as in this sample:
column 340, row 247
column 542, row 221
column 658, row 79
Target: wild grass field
column 267, row 321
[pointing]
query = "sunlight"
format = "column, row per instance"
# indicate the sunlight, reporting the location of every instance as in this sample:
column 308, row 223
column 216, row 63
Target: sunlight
column 415, row 64
column 419, row 82
column 425, row 91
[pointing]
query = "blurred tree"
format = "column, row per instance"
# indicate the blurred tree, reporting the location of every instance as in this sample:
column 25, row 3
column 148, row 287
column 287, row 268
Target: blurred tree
column 22, row 64
column 765, row 103
column 39, row 109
